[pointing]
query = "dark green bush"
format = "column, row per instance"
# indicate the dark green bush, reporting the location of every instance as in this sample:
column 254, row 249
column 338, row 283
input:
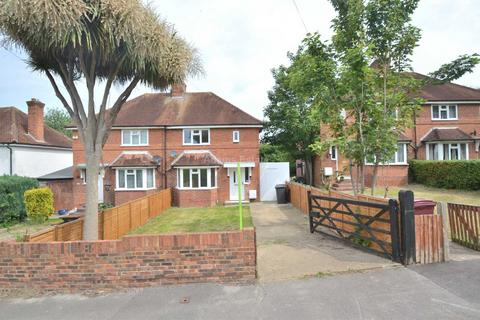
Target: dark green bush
column 12, row 208
column 455, row 174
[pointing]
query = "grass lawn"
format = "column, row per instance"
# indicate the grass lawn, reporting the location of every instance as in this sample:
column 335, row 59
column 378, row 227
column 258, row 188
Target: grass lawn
column 196, row 220
column 16, row 231
column 423, row 192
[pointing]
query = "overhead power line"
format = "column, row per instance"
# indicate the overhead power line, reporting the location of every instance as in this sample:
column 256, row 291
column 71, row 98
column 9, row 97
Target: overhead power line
column 300, row 15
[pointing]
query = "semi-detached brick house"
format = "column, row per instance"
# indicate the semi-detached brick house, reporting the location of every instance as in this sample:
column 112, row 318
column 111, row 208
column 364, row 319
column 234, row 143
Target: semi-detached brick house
column 446, row 128
column 190, row 141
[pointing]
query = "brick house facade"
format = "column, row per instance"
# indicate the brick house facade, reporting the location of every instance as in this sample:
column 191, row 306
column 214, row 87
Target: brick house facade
column 188, row 141
column 447, row 127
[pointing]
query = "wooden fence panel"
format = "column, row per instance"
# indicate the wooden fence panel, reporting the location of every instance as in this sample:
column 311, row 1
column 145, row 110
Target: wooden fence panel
column 429, row 239
column 465, row 224
column 114, row 223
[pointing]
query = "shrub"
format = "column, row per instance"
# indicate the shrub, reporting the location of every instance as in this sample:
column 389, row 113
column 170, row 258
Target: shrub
column 455, row 174
column 39, row 204
column 12, row 208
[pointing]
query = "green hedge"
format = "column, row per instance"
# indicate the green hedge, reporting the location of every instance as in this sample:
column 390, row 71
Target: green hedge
column 12, row 208
column 457, row 174
column 39, row 204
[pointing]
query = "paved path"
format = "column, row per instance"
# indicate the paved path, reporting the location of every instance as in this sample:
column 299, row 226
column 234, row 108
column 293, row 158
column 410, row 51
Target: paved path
column 446, row 291
column 287, row 250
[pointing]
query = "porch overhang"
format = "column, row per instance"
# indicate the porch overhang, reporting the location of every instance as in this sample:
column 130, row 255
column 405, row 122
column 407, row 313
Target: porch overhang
column 249, row 164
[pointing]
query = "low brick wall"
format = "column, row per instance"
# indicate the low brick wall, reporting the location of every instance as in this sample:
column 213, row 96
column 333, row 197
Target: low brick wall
column 133, row 261
column 196, row 198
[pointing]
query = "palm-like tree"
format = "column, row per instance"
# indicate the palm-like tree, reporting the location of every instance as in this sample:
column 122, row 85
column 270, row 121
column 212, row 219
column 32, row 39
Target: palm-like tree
column 103, row 43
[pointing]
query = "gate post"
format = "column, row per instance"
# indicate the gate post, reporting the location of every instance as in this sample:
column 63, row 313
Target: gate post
column 407, row 219
column 310, row 218
column 394, row 230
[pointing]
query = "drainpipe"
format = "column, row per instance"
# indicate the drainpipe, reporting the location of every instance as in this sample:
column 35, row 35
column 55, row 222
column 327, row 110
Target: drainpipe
column 415, row 145
column 11, row 157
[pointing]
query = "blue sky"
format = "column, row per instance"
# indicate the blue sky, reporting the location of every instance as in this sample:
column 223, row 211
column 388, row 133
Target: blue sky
column 241, row 41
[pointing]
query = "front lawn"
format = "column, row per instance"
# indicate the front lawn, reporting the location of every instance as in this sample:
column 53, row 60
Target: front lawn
column 442, row 195
column 196, row 220
column 16, row 231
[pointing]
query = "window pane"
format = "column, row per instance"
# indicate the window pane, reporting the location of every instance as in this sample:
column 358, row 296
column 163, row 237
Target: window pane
column 435, row 148
column 334, row 153
column 126, row 137
column 452, row 112
column 195, row 179
column 139, row 178
column 401, row 153
column 121, row 178
column 212, row 177
column 136, row 138
column 143, row 136
column 445, row 152
column 149, row 178
column 435, row 112
column 205, row 136
column 247, row 175
column 130, row 181
column 203, row 178
column 454, row 151
column 196, row 138
column 463, row 147
column 187, row 136
column 443, row 114
column 186, row 178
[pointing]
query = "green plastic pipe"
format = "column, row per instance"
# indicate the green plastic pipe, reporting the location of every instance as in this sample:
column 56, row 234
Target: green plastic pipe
column 239, row 181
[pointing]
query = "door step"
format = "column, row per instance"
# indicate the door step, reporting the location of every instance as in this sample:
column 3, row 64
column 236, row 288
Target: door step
column 235, row 202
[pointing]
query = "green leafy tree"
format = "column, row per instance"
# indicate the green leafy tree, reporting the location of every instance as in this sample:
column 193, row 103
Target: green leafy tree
column 58, row 119
column 104, row 43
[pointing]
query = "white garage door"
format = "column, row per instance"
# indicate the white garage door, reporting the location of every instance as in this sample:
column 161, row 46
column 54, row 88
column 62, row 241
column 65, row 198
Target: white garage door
column 271, row 174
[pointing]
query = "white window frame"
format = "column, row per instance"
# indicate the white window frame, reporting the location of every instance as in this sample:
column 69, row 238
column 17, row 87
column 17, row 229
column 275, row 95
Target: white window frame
column 236, row 136
column 209, row 178
column 191, row 143
column 444, row 107
column 132, row 132
column 441, row 154
column 396, row 163
column 144, row 179
column 330, row 151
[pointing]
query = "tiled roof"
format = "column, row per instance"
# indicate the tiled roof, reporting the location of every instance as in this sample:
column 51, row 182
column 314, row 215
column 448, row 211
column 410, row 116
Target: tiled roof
column 134, row 160
column 446, row 91
column 446, row 134
column 403, row 137
column 200, row 158
column 190, row 109
column 14, row 129
column 66, row 173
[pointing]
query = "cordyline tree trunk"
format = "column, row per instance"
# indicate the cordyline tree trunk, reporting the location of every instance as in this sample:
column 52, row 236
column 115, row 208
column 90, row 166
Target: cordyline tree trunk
column 100, row 41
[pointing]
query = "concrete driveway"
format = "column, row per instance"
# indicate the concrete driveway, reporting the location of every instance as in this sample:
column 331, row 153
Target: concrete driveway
column 287, row 250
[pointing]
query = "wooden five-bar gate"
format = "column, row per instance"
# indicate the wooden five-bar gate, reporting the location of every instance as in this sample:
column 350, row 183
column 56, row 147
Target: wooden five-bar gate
column 465, row 224
column 374, row 226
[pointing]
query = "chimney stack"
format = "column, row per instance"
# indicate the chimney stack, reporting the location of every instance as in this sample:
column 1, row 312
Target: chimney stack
column 35, row 119
column 178, row 89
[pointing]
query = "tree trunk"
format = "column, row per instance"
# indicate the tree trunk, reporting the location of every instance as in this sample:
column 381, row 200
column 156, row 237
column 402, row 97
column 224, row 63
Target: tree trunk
column 308, row 169
column 90, row 227
column 374, row 178
column 352, row 179
column 361, row 178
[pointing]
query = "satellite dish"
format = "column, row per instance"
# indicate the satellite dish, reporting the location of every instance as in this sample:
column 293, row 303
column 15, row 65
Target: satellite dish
column 157, row 159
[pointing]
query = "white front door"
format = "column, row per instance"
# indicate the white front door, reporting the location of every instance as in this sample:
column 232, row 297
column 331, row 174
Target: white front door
column 234, row 183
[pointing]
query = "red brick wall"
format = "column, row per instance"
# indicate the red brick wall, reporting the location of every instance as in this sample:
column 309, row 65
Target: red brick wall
column 133, row 261
column 62, row 193
column 195, row 198
column 393, row 175
column 221, row 146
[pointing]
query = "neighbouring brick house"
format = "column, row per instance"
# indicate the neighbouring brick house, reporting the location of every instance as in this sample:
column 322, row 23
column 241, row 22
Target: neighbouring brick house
column 190, row 141
column 446, row 128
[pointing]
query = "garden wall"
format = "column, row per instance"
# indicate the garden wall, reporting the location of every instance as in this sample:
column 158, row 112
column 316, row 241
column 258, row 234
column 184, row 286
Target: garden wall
column 133, row 261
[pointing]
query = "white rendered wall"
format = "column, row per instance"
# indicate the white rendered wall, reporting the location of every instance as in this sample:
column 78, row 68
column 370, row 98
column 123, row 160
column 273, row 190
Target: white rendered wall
column 4, row 160
column 35, row 162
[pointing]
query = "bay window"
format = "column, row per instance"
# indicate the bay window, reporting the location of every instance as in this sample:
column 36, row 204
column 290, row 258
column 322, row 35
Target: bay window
column 135, row 179
column 196, row 136
column 196, row 178
column 447, row 151
column 444, row 112
column 134, row 137
column 400, row 156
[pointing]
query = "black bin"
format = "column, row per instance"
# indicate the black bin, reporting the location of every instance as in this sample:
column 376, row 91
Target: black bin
column 281, row 193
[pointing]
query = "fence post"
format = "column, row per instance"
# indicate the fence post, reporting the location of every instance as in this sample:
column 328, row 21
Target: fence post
column 309, row 204
column 407, row 220
column 394, row 230
column 442, row 211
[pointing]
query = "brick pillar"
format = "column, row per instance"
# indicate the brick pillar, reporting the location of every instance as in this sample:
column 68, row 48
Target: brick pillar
column 35, row 119
column 178, row 89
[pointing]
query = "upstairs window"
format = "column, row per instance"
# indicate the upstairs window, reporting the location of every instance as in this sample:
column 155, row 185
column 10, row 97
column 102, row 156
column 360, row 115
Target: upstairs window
column 196, row 136
column 444, row 112
column 134, row 137
column 236, row 136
